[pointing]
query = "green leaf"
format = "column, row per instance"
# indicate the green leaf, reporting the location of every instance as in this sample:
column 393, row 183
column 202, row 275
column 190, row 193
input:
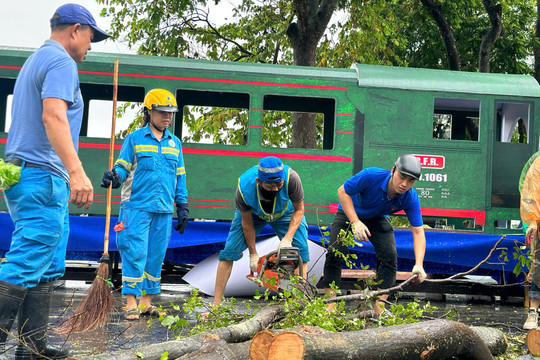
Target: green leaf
column 9, row 175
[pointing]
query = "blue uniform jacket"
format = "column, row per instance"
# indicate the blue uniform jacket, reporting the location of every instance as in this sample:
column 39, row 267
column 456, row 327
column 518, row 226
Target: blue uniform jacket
column 152, row 171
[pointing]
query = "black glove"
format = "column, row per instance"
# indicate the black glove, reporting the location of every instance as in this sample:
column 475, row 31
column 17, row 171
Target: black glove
column 111, row 176
column 183, row 215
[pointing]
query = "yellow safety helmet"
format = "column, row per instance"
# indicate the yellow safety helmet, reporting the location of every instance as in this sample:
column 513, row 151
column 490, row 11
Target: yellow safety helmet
column 160, row 99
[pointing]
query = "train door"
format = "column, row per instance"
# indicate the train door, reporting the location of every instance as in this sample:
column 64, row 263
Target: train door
column 512, row 147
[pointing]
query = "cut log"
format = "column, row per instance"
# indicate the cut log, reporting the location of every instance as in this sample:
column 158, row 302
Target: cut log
column 533, row 341
column 288, row 345
column 260, row 344
column 436, row 339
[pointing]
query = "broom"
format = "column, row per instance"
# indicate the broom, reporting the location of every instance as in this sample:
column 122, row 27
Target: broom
column 93, row 311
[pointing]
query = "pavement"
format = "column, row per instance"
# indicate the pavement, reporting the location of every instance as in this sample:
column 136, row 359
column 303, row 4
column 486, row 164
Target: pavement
column 120, row 334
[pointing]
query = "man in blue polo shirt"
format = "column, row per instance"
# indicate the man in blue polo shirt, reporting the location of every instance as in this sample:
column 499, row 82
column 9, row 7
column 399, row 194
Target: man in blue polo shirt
column 47, row 113
column 365, row 201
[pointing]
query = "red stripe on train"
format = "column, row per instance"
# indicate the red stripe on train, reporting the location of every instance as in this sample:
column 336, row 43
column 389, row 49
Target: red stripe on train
column 168, row 77
column 479, row 215
column 242, row 82
column 238, row 153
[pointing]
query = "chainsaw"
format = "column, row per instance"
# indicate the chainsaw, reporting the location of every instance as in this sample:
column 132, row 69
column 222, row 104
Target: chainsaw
column 274, row 269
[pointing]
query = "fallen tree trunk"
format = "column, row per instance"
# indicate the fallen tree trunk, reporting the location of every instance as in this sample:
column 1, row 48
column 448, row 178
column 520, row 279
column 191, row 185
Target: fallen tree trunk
column 436, row 339
column 214, row 348
column 176, row 348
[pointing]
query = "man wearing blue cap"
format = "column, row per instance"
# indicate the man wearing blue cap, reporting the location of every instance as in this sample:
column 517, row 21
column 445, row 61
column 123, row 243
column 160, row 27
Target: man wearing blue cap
column 270, row 193
column 46, row 113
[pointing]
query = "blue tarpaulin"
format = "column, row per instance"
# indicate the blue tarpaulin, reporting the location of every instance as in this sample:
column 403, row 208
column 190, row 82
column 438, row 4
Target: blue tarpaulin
column 446, row 252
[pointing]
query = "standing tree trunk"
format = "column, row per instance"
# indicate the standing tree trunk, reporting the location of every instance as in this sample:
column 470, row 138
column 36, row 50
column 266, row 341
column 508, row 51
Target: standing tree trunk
column 312, row 20
column 447, row 34
column 495, row 17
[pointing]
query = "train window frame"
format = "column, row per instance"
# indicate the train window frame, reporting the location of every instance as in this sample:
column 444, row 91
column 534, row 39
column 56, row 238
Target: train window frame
column 456, row 119
column 93, row 91
column 324, row 107
column 518, row 124
column 127, row 112
column 234, row 104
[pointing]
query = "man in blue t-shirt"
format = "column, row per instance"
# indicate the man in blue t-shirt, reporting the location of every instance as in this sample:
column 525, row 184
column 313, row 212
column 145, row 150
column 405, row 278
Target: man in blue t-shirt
column 365, row 201
column 46, row 117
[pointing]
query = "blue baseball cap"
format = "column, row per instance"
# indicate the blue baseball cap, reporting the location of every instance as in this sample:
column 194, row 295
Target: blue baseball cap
column 270, row 170
column 73, row 14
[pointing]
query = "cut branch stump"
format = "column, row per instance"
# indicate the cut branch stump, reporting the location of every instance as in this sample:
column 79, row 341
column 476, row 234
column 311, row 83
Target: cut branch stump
column 533, row 341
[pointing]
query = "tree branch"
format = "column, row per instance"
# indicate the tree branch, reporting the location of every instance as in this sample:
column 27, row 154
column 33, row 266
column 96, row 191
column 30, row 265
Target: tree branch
column 446, row 32
column 495, row 17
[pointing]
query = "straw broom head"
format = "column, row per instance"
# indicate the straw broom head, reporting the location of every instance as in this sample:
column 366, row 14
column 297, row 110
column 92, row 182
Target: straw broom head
column 93, row 311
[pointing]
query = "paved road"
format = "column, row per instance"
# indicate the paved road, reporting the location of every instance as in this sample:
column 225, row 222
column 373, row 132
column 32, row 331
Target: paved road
column 121, row 334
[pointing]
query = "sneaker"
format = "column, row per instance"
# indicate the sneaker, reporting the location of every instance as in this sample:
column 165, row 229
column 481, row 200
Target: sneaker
column 532, row 320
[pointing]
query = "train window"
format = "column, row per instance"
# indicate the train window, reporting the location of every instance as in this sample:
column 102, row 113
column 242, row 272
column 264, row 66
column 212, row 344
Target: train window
column 278, row 114
column 98, row 108
column 100, row 117
column 7, row 121
column 512, row 122
column 6, row 91
column 456, row 119
column 213, row 117
column 501, row 224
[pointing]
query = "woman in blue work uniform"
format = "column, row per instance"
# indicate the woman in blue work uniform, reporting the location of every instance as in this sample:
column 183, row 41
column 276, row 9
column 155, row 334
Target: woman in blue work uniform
column 151, row 168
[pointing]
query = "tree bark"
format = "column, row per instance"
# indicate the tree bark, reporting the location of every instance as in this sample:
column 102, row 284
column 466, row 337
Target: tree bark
column 536, row 48
column 304, row 35
column 436, row 339
column 214, row 348
column 176, row 348
column 495, row 17
column 446, row 32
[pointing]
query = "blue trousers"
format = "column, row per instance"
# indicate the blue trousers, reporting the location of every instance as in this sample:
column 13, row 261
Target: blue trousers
column 142, row 245
column 38, row 206
column 383, row 241
column 236, row 242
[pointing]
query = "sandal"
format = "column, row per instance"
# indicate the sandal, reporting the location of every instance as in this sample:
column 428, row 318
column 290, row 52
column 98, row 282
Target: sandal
column 154, row 312
column 132, row 314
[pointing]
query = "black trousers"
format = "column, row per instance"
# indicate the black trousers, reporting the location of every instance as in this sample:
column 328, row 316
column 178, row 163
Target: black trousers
column 383, row 241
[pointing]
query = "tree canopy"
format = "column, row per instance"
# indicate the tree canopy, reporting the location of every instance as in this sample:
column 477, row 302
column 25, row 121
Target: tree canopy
column 469, row 35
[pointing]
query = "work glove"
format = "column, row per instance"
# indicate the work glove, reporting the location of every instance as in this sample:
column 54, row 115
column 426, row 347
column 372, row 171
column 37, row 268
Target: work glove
column 531, row 233
column 285, row 242
column 419, row 270
column 111, row 176
column 183, row 215
column 253, row 262
column 360, row 231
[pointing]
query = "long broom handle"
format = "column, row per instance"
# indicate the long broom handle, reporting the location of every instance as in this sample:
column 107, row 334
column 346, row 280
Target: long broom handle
column 111, row 159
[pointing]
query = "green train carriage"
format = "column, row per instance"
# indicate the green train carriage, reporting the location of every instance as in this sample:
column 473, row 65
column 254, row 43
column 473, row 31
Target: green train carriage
column 459, row 124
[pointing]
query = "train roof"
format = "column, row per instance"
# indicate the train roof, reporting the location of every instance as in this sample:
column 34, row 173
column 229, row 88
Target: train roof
column 365, row 76
column 141, row 61
column 392, row 77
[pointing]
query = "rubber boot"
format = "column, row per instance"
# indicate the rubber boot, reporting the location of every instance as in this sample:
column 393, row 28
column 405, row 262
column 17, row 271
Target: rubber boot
column 11, row 298
column 33, row 320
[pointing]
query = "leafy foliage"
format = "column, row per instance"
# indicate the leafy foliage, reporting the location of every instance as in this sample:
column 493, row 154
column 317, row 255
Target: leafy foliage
column 9, row 175
column 386, row 32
